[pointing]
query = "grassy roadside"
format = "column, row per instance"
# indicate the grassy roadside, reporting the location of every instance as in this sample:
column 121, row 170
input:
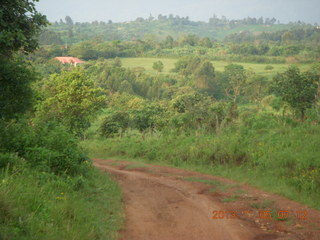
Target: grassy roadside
column 40, row 205
column 283, row 160
column 49, row 189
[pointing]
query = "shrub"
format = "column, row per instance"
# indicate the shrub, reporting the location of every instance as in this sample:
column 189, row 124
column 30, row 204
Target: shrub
column 9, row 160
column 268, row 67
column 47, row 147
column 114, row 123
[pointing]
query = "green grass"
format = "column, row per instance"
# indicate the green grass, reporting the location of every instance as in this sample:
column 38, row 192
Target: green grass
column 279, row 158
column 206, row 181
column 233, row 198
column 217, row 184
column 240, row 191
column 147, row 63
column 39, row 205
column 135, row 165
column 258, row 68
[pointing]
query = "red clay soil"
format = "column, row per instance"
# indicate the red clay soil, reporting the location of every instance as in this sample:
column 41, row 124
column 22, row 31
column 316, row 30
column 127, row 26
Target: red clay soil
column 163, row 203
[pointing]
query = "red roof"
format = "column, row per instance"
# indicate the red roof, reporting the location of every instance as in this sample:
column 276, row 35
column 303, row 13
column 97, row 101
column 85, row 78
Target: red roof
column 72, row 60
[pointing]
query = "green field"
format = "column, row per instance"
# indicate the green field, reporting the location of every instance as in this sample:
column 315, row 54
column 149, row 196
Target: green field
column 258, row 68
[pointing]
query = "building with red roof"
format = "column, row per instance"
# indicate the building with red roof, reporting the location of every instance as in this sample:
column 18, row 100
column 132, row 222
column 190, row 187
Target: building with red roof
column 70, row 60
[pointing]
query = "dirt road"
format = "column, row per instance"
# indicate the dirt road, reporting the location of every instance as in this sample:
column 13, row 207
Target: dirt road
column 163, row 203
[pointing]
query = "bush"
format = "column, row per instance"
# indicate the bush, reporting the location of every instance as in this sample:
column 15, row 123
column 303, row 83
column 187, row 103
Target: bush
column 49, row 148
column 268, row 67
column 114, row 123
column 9, row 160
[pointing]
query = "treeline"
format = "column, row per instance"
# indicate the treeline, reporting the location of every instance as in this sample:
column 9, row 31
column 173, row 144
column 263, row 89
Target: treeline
column 194, row 75
column 98, row 48
column 266, row 51
column 174, row 36
column 296, row 34
column 68, row 31
column 223, row 21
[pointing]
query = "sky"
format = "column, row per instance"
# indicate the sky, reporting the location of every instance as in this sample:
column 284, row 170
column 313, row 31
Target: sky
column 198, row 10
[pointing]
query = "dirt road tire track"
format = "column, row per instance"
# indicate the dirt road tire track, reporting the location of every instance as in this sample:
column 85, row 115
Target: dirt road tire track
column 161, row 205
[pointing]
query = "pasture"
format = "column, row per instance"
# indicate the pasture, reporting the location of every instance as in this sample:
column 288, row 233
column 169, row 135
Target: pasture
column 258, row 68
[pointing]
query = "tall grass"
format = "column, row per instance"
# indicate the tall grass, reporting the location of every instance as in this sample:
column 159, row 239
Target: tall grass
column 49, row 189
column 40, row 205
column 275, row 154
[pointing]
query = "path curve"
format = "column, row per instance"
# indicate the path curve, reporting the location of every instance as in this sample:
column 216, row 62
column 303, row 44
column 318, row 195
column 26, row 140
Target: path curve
column 163, row 203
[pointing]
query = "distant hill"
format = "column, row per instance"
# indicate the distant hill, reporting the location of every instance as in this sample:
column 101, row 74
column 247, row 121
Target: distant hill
column 215, row 28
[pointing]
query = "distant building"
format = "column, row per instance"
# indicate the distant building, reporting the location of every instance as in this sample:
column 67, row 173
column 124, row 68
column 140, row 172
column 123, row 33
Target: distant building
column 70, row 60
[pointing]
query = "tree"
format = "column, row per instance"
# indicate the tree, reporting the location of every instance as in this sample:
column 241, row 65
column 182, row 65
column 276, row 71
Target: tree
column 256, row 87
column 297, row 89
column 287, row 37
column 84, row 50
column 204, row 75
column 168, row 42
column 205, row 42
column 50, row 38
column 69, row 21
column 235, row 81
column 194, row 111
column 20, row 24
column 158, row 66
column 149, row 117
column 191, row 40
column 71, row 100
column 113, row 123
column 15, row 92
column 126, row 87
column 117, row 62
column 187, row 66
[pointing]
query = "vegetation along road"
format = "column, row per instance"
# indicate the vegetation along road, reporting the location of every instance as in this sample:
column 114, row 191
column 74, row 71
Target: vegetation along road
column 238, row 99
column 168, row 203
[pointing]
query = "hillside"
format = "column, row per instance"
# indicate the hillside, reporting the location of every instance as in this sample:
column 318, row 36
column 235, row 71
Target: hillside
column 215, row 28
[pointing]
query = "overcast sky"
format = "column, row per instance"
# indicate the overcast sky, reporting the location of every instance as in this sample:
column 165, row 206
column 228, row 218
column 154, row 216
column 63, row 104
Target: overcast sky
column 126, row 10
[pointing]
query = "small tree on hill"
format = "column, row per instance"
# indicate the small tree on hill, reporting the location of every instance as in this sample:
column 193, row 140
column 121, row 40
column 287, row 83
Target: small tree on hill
column 235, row 81
column 296, row 88
column 204, row 75
column 158, row 66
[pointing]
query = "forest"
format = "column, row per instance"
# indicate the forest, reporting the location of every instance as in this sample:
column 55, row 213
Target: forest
column 234, row 98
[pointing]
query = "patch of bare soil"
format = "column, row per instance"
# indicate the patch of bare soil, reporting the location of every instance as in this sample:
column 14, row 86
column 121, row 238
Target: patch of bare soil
column 172, row 204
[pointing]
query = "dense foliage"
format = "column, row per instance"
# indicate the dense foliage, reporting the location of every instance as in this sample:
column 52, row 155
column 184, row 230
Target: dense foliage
column 191, row 113
column 48, row 187
column 249, row 40
column 20, row 24
column 71, row 100
column 298, row 90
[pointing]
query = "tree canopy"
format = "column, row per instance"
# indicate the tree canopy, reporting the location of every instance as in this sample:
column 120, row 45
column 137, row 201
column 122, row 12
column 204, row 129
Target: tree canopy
column 20, row 23
column 296, row 88
column 72, row 100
